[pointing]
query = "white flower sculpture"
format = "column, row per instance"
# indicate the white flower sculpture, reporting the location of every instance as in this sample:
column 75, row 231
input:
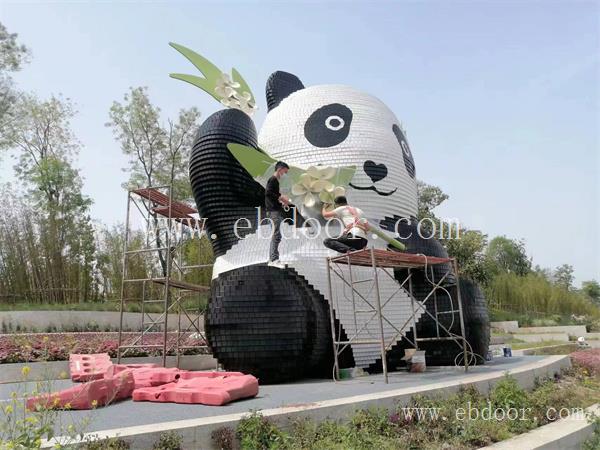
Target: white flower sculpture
column 315, row 185
column 233, row 93
column 227, row 89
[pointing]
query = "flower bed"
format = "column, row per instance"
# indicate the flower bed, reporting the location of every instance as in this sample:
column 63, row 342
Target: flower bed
column 18, row 348
column 589, row 359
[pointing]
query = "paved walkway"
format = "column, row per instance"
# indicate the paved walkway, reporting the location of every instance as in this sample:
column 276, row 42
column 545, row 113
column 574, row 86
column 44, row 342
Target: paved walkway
column 129, row 413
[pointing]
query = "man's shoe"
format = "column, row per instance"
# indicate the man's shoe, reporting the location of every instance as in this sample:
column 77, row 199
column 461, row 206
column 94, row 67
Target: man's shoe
column 277, row 264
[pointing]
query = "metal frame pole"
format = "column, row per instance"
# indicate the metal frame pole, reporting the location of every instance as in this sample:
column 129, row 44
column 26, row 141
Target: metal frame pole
column 412, row 305
column 167, row 277
column 123, row 277
column 178, row 343
column 460, row 312
column 143, row 308
column 379, row 316
column 353, row 296
column 435, row 305
column 336, row 366
column 181, row 295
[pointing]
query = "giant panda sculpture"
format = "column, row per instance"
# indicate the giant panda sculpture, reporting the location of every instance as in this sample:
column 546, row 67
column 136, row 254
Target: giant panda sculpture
column 274, row 323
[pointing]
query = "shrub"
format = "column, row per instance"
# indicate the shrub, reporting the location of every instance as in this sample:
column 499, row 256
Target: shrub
column 508, row 394
column 225, row 438
column 372, row 421
column 108, row 444
column 593, row 443
column 258, row 432
column 21, row 428
column 427, row 423
column 169, row 440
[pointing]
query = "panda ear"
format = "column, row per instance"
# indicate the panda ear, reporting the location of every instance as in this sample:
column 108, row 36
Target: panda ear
column 279, row 86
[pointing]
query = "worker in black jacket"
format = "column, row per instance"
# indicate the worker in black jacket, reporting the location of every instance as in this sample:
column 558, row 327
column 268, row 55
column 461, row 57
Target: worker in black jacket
column 274, row 202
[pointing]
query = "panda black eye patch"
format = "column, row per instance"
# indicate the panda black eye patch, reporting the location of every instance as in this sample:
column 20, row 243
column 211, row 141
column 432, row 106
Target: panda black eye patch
column 409, row 162
column 328, row 126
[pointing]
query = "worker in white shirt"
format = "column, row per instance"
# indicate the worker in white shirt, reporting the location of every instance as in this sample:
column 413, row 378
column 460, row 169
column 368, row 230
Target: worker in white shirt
column 354, row 235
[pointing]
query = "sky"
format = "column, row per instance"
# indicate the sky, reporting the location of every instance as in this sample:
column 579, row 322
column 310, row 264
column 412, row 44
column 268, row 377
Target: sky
column 499, row 99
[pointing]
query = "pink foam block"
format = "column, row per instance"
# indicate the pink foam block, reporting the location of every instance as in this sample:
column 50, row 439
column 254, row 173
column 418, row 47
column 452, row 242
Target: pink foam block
column 186, row 375
column 154, row 377
column 87, row 395
column 215, row 391
column 146, row 376
column 88, row 367
column 116, row 368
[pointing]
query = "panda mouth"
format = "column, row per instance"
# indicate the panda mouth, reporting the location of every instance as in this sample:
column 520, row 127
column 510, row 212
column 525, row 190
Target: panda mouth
column 373, row 188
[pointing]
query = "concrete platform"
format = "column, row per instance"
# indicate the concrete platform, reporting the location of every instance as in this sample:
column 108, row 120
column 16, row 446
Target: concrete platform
column 566, row 434
column 142, row 423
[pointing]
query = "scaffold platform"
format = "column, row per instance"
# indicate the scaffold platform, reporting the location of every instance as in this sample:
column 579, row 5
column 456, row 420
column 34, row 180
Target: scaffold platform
column 165, row 246
column 383, row 262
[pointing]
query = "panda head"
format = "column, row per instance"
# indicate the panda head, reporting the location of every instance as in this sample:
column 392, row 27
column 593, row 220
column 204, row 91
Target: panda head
column 335, row 125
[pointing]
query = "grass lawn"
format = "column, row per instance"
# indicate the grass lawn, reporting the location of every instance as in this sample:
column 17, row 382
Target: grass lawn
column 88, row 306
column 521, row 345
column 537, row 319
column 112, row 305
column 559, row 350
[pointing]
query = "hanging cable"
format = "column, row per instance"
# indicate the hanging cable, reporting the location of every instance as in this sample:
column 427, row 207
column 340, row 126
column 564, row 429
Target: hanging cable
column 471, row 355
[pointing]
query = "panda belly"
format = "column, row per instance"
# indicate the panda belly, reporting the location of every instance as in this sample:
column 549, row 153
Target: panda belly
column 307, row 256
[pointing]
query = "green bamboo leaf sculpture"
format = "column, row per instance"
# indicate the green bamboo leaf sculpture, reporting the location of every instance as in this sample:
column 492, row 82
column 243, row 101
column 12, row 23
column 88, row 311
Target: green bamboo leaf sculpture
column 231, row 91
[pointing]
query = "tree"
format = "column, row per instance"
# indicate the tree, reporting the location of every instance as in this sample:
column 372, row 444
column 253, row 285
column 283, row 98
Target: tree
column 429, row 198
column 563, row 276
column 158, row 154
column 469, row 251
column 110, row 262
column 39, row 131
column 467, row 246
column 543, row 272
column 44, row 146
column 591, row 288
column 12, row 57
column 509, row 256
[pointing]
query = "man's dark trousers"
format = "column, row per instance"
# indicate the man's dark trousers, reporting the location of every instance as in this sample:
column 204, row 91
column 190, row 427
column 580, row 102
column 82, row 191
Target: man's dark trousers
column 276, row 217
column 346, row 243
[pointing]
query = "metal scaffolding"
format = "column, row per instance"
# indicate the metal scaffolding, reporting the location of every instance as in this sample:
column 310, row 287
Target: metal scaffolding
column 160, row 284
column 381, row 262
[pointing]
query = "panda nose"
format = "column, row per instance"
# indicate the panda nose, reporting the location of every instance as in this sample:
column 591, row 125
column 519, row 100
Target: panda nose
column 376, row 172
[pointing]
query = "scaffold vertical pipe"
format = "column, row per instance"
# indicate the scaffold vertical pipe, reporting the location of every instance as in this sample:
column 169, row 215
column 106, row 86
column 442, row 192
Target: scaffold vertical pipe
column 412, row 305
column 336, row 367
column 460, row 313
column 124, row 277
column 352, row 293
column 181, row 297
column 167, row 277
column 143, row 310
column 379, row 316
column 435, row 306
